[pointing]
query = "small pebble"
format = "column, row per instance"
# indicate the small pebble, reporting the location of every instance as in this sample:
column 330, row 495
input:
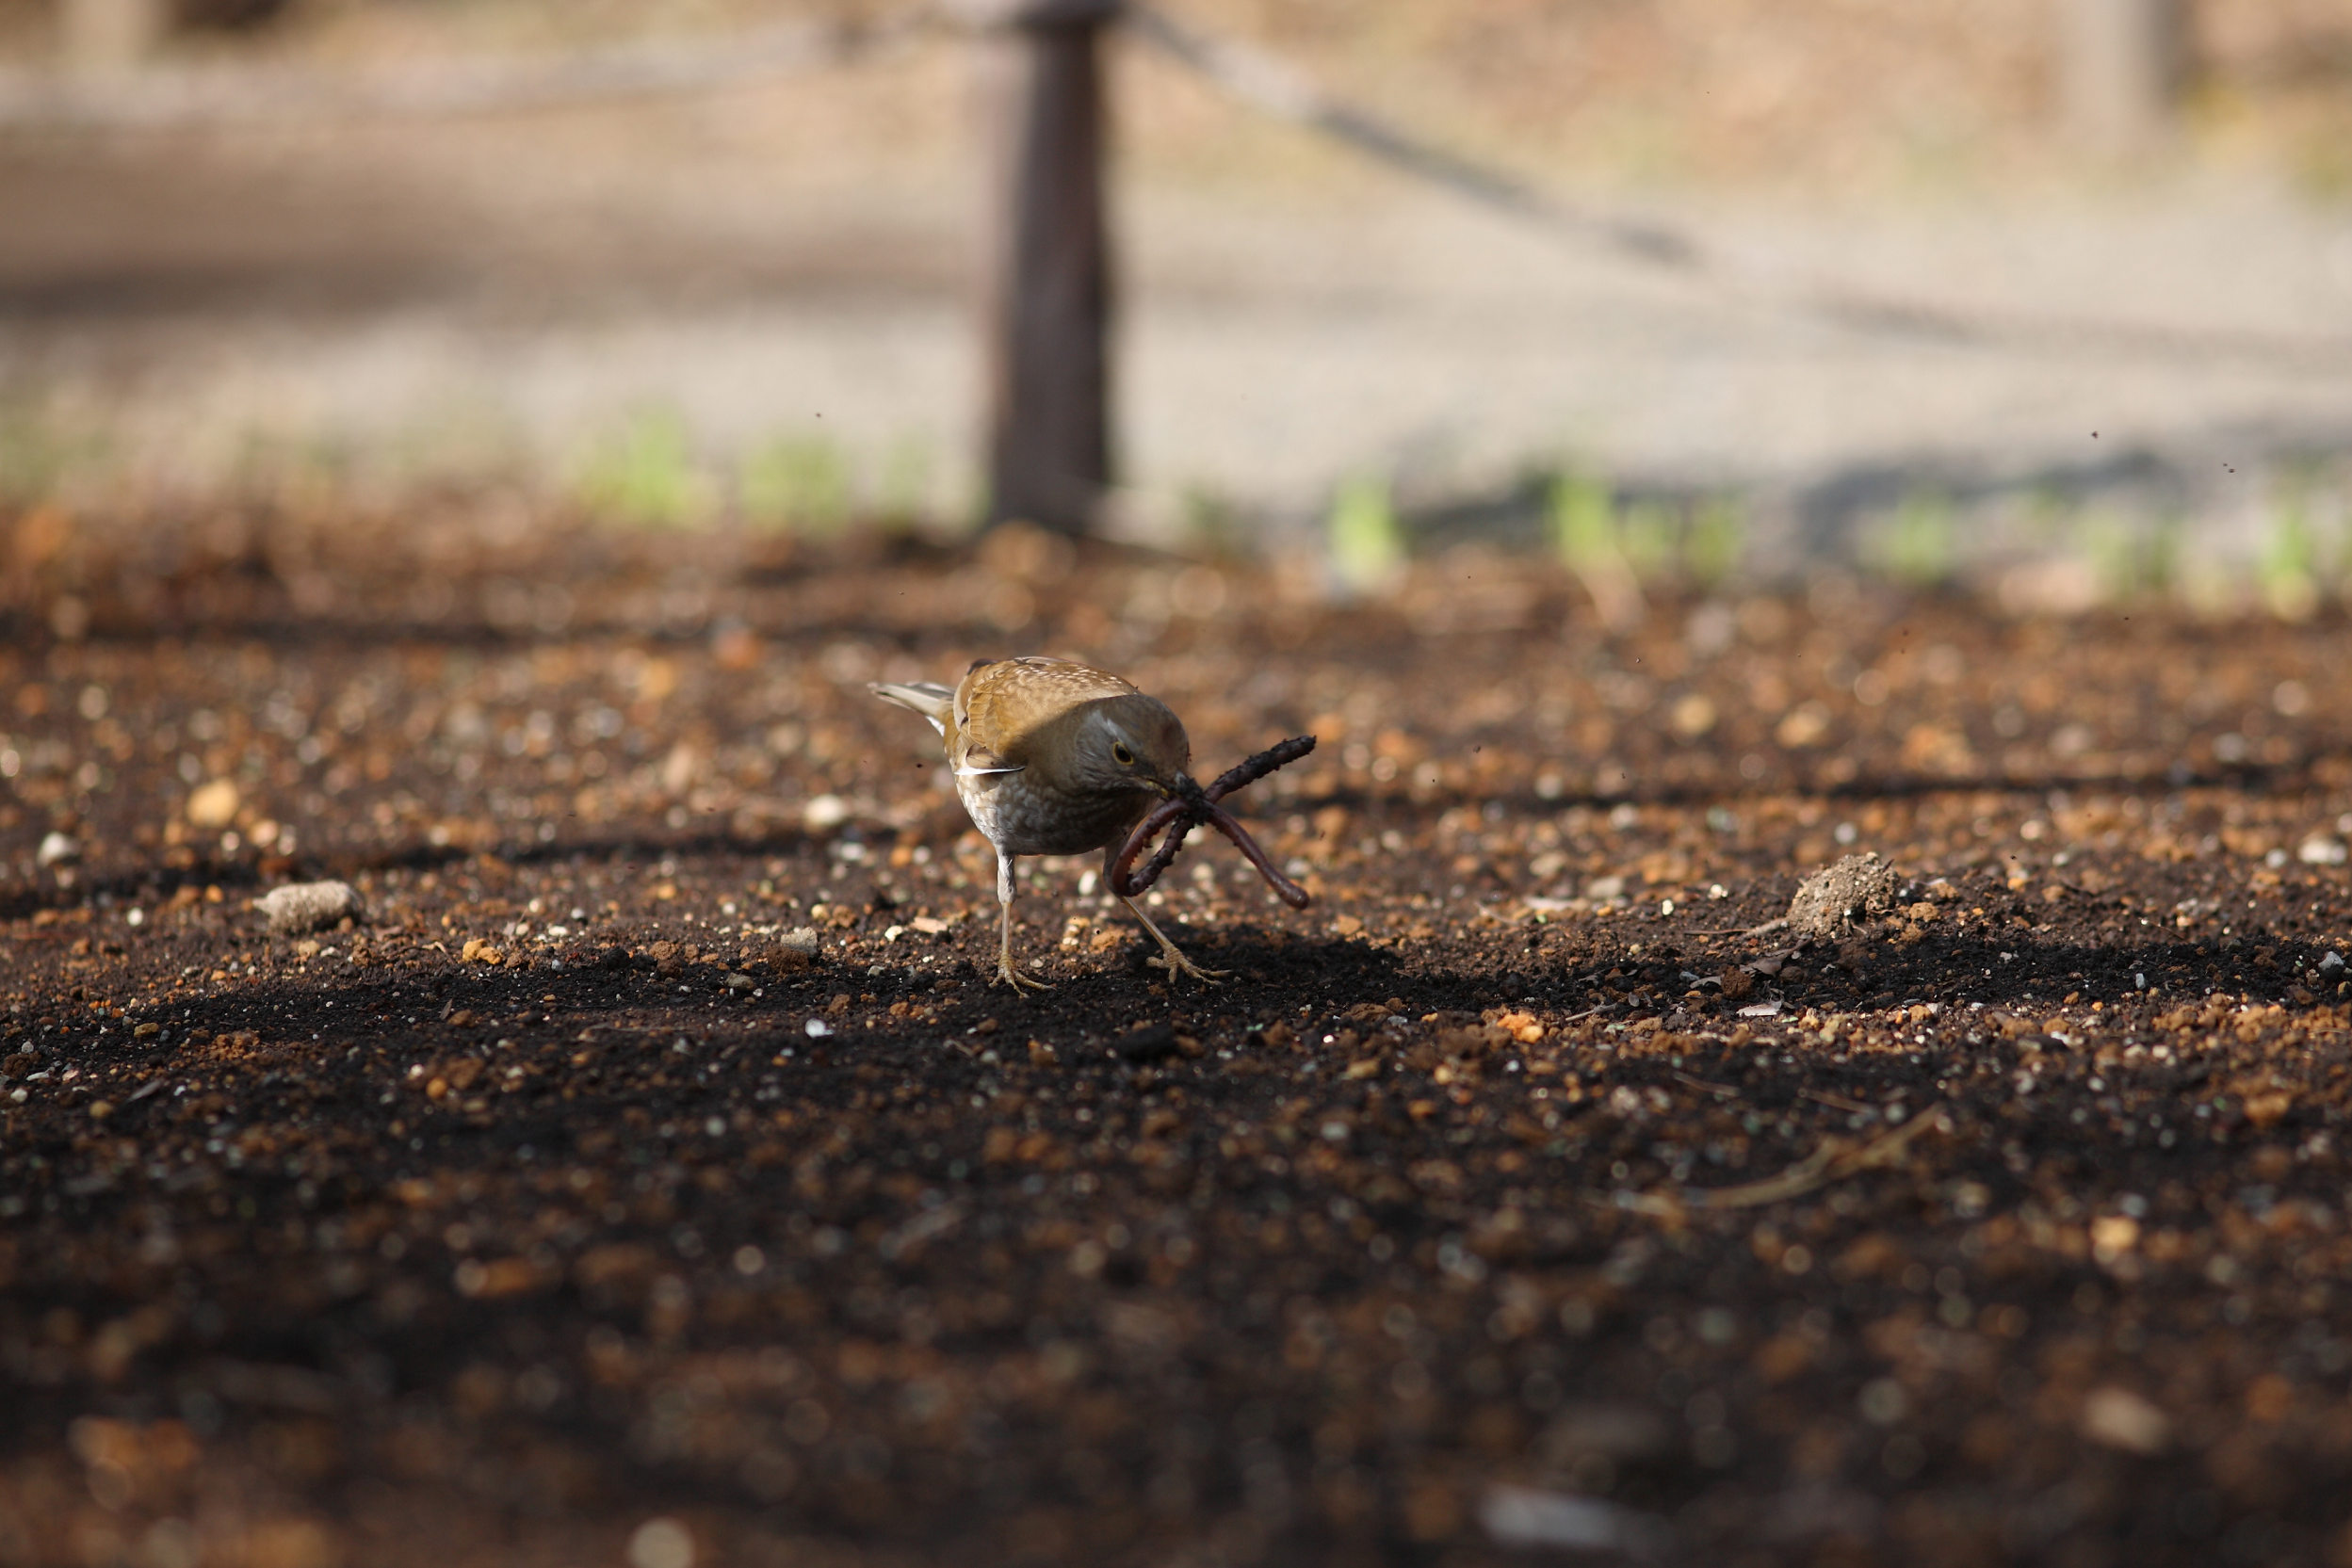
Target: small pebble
column 212, row 805
column 57, row 849
column 310, row 906
column 2321, row 851
column 661, row 1543
column 2120, row 1419
column 1526, row 1517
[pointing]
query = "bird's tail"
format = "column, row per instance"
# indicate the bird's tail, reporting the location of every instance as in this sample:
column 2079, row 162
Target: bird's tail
column 934, row 701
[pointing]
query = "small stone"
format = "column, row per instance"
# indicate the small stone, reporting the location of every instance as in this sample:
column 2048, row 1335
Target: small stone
column 1855, row 888
column 2122, row 1419
column 737, row 982
column 796, row 950
column 825, row 813
column 57, row 849
column 478, row 951
column 1693, row 715
column 661, row 1543
column 299, row 907
column 2322, row 851
column 212, row 805
column 1523, row 1516
column 2331, row 963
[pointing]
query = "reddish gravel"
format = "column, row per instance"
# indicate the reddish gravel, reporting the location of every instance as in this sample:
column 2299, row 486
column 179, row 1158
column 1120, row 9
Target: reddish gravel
column 560, row 1209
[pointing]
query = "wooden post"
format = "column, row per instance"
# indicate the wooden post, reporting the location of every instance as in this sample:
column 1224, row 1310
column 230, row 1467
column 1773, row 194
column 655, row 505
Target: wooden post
column 2121, row 69
column 102, row 36
column 1046, row 284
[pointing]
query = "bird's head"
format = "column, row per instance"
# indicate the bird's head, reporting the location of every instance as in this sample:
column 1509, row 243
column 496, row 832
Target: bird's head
column 1136, row 743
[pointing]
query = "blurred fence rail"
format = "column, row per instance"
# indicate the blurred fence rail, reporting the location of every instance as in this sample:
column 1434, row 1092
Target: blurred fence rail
column 160, row 97
column 1274, row 87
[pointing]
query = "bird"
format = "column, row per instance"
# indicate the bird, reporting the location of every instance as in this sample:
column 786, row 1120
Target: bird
column 1055, row 757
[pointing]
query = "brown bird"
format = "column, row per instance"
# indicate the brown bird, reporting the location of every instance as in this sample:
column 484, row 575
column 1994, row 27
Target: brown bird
column 1053, row 757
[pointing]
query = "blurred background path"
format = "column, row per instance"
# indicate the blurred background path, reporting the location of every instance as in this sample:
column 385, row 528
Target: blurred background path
column 783, row 269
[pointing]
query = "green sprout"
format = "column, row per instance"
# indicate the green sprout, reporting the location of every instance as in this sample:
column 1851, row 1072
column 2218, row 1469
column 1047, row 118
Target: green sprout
column 36, row 454
column 1586, row 533
column 2288, row 566
column 1650, row 536
column 1717, row 540
column 1364, row 537
column 647, row 477
column 1917, row 544
column 800, row 484
column 905, row 482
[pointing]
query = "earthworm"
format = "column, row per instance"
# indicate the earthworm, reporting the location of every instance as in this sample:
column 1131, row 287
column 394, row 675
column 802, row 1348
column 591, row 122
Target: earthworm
column 1187, row 808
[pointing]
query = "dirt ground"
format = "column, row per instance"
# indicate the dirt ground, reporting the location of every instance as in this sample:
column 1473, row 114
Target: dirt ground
column 1528, row 1188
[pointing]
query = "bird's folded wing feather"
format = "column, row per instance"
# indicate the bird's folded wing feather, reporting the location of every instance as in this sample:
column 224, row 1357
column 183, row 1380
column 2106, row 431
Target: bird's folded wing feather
column 977, row 761
column 935, row 701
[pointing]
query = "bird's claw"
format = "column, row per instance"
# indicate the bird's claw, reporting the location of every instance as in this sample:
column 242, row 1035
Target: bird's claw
column 1177, row 963
column 1020, row 983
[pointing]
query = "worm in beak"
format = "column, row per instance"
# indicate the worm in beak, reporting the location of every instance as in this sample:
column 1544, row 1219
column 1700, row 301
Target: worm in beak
column 1188, row 805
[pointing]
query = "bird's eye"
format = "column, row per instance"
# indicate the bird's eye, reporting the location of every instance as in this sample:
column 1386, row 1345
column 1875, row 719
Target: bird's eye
column 1124, row 757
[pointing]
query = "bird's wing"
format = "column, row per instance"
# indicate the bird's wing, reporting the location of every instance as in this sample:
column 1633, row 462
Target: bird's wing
column 1063, row 684
column 1000, row 704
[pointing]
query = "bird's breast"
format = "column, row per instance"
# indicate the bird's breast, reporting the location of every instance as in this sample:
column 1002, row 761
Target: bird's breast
column 1022, row 814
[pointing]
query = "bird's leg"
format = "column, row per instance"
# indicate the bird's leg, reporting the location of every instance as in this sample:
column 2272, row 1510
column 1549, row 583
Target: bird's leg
column 1005, row 971
column 1173, row 958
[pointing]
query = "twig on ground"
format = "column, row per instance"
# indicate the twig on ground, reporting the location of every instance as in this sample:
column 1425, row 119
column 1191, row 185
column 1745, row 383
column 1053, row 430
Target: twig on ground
column 1721, row 1090
column 1834, row 1160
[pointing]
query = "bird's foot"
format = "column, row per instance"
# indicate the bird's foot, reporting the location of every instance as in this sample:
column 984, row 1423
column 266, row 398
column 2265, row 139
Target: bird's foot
column 1020, row 983
column 1177, row 963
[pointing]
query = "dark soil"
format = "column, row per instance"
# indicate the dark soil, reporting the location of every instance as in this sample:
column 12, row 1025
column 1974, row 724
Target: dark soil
column 559, row 1211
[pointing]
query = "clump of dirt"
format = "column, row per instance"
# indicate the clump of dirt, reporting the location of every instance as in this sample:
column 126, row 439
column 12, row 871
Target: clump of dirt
column 1833, row 899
